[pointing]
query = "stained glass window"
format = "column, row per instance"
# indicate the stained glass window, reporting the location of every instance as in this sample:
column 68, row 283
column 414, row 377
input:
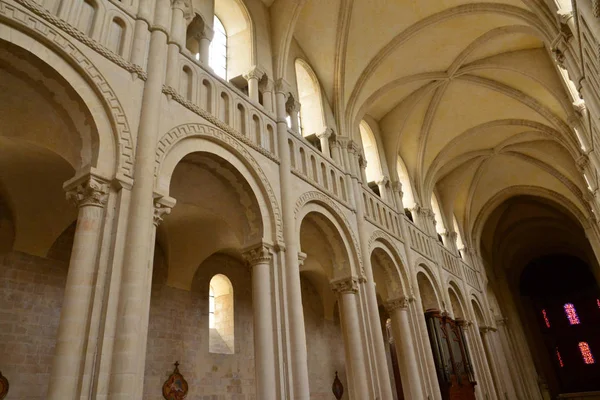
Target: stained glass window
column 546, row 320
column 586, row 353
column 559, row 358
column 598, row 302
column 571, row 314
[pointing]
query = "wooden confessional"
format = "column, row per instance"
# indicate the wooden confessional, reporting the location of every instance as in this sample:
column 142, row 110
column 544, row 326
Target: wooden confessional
column 452, row 362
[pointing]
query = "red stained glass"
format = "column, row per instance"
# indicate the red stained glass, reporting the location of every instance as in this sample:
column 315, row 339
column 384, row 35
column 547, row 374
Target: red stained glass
column 571, row 314
column 586, row 353
column 598, row 302
column 546, row 320
column 560, row 361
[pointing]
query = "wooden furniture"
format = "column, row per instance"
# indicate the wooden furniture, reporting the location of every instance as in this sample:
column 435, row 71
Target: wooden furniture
column 452, row 362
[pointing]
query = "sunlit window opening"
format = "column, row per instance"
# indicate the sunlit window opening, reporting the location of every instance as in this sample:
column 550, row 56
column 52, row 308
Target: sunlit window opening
column 586, row 353
column 221, row 315
column 217, row 52
column 571, row 314
column 546, row 320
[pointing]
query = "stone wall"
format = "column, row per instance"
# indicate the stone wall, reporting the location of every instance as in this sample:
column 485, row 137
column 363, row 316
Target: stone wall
column 31, row 295
column 325, row 345
column 179, row 331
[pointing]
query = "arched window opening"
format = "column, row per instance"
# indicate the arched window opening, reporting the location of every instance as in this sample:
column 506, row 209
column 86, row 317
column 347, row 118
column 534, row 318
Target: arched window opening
column 217, row 52
column 311, row 118
column 186, row 83
column 85, row 22
column 546, row 320
column 559, row 358
column 221, row 315
column 116, row 36
column 571, row 314
column 586, row 353
column 374, row 172
column 408, row 199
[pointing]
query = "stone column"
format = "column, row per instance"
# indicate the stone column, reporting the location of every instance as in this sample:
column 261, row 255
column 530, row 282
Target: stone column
column 259, row 259
column 253, row 77
column 362, row 163
column 324, row 139
column 90, row 194
column 176, row 43
column 382, row 184
column 335, row 153
column 267, row 89
column 347, row 290
column 140, row 33
column 449, row 238
column 397, row 193
column 508, row 350
column 204, row 37
column 127, row 367
column 293, row 108
column 298, row 358
column 490, row 352
column 398, row 311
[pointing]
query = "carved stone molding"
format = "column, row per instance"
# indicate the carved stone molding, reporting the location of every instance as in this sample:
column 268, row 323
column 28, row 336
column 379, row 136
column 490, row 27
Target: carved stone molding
column 259, row 254
column 345, row 285
column 160, row 210
column 293, row 106
column 596, row 8
column 394, row 304
column 90, row 192
column 63, row 46
column 206, row 131
column 301, row 258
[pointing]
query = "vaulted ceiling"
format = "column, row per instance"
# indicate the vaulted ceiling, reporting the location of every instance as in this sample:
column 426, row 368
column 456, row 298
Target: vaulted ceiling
column 464, row 92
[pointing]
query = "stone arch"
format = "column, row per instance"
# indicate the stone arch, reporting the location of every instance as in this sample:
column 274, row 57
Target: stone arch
column 345, row 259
column 478, row 311
column 332, row 207
column 189, row 138
column 429, row 290
column 457, row 300
column 397, row 273
column 51, row 46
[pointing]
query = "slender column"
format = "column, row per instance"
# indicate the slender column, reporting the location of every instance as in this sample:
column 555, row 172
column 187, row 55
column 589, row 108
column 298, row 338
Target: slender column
column 90, row 194
column 347, row 290
column 362, row 163
column 335, row 153
column 204, row 38
column 127, row 372
column 176, row 43
column 140, row 33
column 253, row 77
column 380, row 372
column 267, row 89
column 259, row 260
column 493, row 362
column 397, row 193
column 508, row 350
column 293, row 108
column 449, row 238
column 324, row 139
column 298, row 356
column 382, row 184
column 483, row 371
column 398, row 310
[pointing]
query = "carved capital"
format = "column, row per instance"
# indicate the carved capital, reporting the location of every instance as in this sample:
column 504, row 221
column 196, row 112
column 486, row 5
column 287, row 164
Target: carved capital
column 353, row 147
column 92, row 191
column 160, row 210
column 301, row 258
column 282, row 86
column 383, row 181
column 292, row 106
column 179, row 4
column 254, row 73
column 559, row 57
column 345, row 285
column 326, row 134
column 266, row 85
column 503, row 321
column 394, row 304
column 260, row 254
column 486, row 329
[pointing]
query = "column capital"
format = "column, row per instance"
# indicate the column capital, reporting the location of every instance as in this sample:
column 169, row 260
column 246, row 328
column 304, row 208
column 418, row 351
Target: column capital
column 301, row 258
column 345, row 285
column 398, row 303
column 180, row 4
column 266, row 84
column 162, row 207
column 486, row 329
column 86, row 191
column 199, row 30
column 258, row 254
column 282, row 86
column 326, row 134
column 353, row 147
column 254, row 73
column 292, row 106
column 383, row 180
column 502, row 321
